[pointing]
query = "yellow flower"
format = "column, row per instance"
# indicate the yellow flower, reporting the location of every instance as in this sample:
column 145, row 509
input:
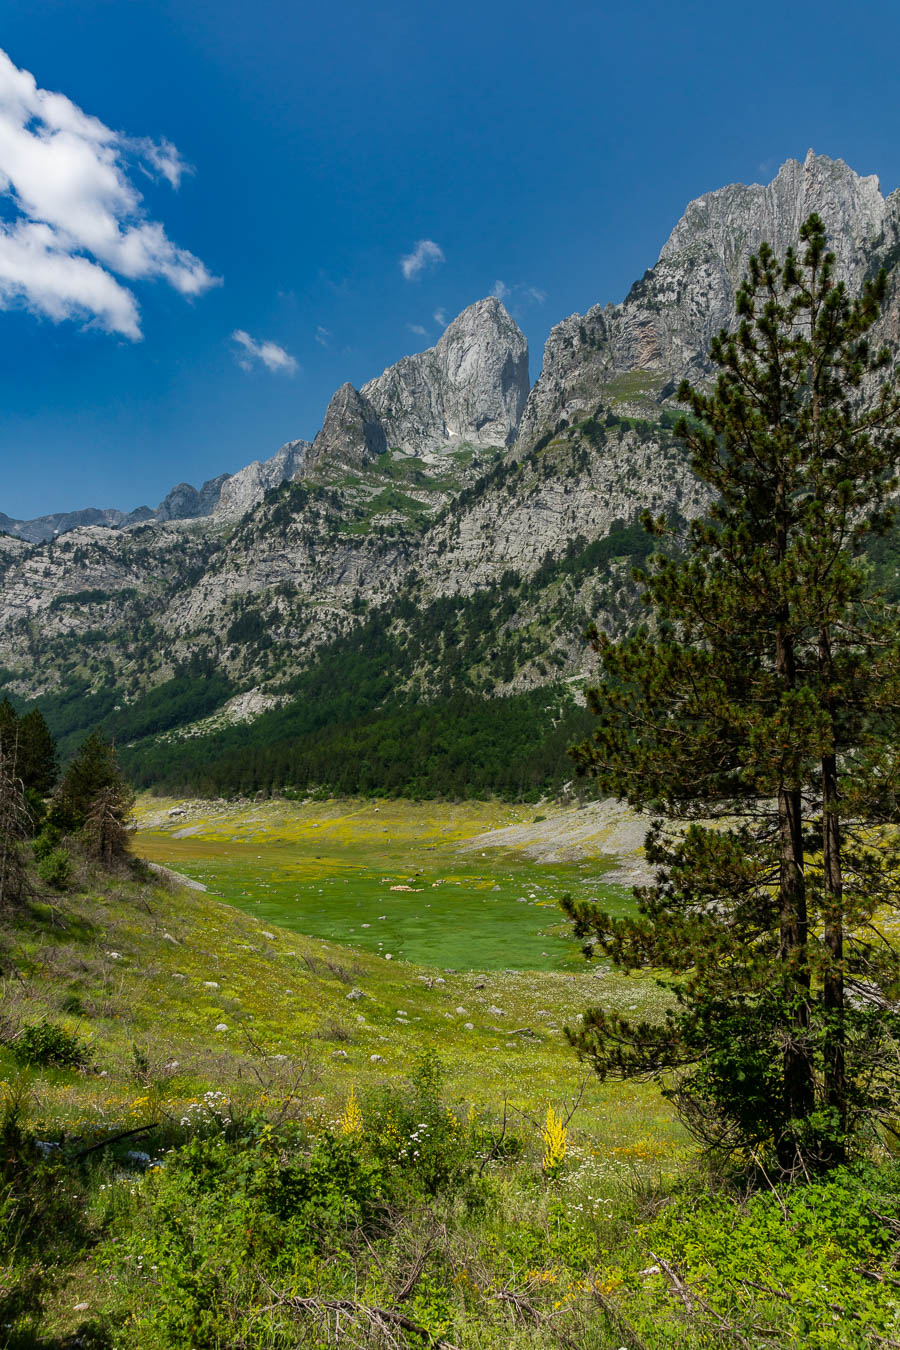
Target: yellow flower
column 555, row 1135
column 351, row 1121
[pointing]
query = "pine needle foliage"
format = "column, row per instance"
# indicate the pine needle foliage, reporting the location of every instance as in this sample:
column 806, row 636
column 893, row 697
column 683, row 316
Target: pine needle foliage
column 756, row 715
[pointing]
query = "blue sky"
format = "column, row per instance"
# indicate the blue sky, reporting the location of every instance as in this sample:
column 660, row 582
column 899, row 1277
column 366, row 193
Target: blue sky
column 222, row 167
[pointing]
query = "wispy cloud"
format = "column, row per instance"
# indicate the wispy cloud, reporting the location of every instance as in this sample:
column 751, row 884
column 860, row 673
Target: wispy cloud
column 519, row 291
column 74, row 217
column 324, row 336
column 425, row 254
column 269, row 354
column 440, row 317
column 417, row 329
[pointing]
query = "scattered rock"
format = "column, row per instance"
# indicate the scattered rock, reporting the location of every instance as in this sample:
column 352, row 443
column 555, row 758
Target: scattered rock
column 376, row 1059
column 469, row 1026
column 355, row 995
column 495, row 1011
column 210, row 984
column 339, row 1054
column 221, row 1026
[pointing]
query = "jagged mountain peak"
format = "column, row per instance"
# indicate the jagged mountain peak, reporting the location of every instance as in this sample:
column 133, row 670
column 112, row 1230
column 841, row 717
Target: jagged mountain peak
column 471, row 386
column 351, row 434
column 630, row 357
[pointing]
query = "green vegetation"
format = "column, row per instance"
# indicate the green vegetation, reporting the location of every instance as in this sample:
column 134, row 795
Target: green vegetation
column 191, row 1188
column 330, row 870
column 766, row 704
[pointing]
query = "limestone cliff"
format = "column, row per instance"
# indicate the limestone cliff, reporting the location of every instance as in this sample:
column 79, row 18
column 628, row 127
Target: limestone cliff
column 470, row 387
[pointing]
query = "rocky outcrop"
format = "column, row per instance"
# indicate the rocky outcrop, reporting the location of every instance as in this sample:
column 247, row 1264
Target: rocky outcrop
column 247, row 487
column 470, row 387
column 631, row 357
column 41, row 528
column 185, row 502
column 352, row 434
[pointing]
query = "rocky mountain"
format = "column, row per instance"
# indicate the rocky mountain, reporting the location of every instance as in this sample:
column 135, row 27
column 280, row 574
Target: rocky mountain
column 632, row 356
column 448, row 531
column 469, row 389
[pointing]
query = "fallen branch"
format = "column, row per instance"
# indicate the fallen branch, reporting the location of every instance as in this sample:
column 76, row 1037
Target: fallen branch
column 382, row 1319
column 114, row 1139
column 414, row 1275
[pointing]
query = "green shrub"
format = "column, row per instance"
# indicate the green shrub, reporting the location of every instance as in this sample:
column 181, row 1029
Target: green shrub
column 56, row 869
column 813, row 1262
column 223, row 1210
column 46, row 842
column 415, row 1134
column 46, row 1044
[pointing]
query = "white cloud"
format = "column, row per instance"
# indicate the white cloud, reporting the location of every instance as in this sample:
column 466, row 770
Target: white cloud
column 417, row 329
column 323, row 336
column 440, row 317
column 425, row 254
column 66, row 176
column 519, row 291
column 270, row 354
column 164, row 158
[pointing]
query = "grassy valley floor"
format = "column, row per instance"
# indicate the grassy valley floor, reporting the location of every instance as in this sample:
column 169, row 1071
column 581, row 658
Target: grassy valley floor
column 222, row 1045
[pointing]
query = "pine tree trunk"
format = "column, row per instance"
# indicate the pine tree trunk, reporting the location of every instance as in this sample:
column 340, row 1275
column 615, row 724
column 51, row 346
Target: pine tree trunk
column 833, row 980
column 799, row 1097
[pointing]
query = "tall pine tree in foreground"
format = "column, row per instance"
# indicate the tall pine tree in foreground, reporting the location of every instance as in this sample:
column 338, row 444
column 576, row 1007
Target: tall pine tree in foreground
column 757, row 717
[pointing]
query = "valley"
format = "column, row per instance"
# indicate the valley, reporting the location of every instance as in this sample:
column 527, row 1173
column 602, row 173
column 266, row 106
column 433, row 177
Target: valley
column 420, row 883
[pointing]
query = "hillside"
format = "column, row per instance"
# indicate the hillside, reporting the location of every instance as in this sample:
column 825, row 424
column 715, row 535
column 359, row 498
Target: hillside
column 217, row 1132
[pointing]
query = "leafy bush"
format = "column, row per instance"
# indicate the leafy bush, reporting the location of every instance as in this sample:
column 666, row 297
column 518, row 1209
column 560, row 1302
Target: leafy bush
column 413, row 1132
column 46, row 1044
column 220, row 1211
column 56, row 869
column 811, row 1263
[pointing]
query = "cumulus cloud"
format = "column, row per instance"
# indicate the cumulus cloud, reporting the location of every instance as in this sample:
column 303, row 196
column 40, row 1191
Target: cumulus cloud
column 500, row 290
column 269, row 354
column 75, row 217
column 417, row 329
column 425, row 254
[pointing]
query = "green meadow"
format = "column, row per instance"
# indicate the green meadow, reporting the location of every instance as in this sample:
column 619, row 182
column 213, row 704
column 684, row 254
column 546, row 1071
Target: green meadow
column 266, row 1109
column 396, row 879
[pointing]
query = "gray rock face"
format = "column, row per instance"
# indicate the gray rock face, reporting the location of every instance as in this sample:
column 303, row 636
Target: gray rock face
column 184, row 502
column 351, row 434
column 470, row 387
column 629, row 355
column 245, row 489
column 60, row 522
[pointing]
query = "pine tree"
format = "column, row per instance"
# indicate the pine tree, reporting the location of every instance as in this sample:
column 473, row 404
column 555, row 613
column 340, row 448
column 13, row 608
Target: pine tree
column 758, row 718
column 38, row 763
column 91, row 795
column 15, row 826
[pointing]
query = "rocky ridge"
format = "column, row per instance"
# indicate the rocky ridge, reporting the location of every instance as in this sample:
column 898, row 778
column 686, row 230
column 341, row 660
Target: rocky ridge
column 631, row 356
column 438, row 480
